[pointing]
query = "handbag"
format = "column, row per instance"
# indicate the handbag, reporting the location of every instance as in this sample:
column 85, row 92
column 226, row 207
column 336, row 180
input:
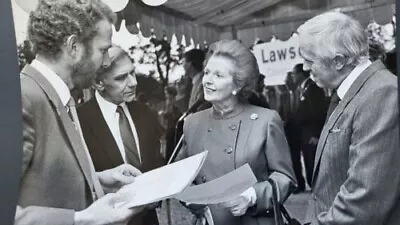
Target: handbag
column 281, row 215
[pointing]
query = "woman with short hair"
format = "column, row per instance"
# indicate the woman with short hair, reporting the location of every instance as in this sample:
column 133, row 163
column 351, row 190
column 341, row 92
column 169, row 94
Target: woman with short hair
column 235, row 133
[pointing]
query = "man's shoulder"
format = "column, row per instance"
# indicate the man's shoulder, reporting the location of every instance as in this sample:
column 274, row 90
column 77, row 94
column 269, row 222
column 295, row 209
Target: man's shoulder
column 88, row 105
column 30, row 89
column 379, row 82
column 139, row 106
column 141, row 109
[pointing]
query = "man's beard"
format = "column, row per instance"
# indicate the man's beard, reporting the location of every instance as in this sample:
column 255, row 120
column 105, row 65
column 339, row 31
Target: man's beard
column 84, row 72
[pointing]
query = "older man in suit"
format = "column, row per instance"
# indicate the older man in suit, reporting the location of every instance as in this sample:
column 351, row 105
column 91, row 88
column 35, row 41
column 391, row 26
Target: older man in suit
column 58, row 183
column 118, row 129
column 355, row 179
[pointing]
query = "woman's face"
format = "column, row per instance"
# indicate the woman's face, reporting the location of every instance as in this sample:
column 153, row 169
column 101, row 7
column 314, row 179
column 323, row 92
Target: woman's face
column 218, row 80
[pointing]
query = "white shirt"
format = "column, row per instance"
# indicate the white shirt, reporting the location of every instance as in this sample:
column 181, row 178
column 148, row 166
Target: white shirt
column 58, row 84
column 355, row 73
column 111, row 116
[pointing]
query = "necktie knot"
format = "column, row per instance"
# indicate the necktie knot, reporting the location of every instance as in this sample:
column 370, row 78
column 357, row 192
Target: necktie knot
column 335, row 97
column 120, row 110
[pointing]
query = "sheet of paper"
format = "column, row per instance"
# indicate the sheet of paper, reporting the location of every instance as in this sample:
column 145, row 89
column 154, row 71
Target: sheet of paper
column 221, row 189
column 163, row 182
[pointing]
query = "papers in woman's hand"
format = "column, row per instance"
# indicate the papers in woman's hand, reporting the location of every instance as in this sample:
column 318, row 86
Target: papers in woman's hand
column 174, row 180
column 221, row 189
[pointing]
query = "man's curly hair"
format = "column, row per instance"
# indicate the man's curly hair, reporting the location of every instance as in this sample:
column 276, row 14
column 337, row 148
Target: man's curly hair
column 53, row 21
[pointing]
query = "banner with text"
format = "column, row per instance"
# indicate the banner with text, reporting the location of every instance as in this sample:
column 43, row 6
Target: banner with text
column 276, row 58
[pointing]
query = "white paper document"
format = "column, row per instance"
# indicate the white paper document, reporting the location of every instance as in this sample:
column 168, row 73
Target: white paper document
column 220, row 190
column 174, row 180
column 163, row 182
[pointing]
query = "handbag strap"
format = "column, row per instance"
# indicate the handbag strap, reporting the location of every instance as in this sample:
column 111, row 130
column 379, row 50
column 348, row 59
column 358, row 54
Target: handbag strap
column 275, row 204
column 285, row 213
column 279, row 209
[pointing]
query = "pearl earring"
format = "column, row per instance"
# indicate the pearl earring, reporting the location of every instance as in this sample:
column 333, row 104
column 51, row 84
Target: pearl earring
column 234, row 92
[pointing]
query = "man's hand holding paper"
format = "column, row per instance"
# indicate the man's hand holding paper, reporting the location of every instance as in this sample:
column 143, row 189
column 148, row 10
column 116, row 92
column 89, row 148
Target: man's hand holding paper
column 104, row 211
column 113, row 179
column 158, row 184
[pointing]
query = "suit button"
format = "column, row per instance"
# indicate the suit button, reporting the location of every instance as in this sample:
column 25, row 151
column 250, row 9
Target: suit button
column 314, row 197
column 203, row 179
column 229, row 150
column 209, row 129
column 233, row 127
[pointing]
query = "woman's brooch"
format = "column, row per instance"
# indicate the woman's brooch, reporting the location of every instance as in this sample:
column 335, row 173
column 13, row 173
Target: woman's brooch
column 254, row 116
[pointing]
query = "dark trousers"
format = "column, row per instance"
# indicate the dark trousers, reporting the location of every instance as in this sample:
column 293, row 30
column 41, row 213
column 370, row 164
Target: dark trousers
column 293, row 137
column 308, row 151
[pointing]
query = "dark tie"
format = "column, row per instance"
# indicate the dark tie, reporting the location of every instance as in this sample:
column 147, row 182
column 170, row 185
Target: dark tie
column 334, row 102
column 131, row 152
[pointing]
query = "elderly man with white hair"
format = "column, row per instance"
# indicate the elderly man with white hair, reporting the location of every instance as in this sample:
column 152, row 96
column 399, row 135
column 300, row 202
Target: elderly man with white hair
column 355, row 180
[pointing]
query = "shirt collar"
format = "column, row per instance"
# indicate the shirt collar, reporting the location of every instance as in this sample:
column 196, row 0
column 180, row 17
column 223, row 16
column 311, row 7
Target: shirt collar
column 355, row 73
column 107, row 107
column 58, row 84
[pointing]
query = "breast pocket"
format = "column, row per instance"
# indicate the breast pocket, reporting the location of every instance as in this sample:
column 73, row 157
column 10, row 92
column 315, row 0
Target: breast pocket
column 337, row 145
column 338, row 138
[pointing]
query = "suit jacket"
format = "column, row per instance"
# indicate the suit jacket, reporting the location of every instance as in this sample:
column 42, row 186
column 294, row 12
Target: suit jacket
column 55, row 177
column 104, row 150
column 249, row 134
column 356, row 180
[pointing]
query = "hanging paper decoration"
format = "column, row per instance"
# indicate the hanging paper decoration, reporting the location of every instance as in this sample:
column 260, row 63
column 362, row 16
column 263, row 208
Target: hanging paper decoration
column 116, row 5
column 27, row 6
column 183, row 42
column 124, row 38
column 154, row 2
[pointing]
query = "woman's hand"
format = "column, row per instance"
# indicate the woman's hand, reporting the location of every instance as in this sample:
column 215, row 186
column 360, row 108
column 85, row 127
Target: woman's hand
column 239, row 205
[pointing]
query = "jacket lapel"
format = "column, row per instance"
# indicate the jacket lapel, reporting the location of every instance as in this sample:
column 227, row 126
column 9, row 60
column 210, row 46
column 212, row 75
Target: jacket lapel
column 66, row 122
column 103, row 134
column 354, row 89
column 244, row 128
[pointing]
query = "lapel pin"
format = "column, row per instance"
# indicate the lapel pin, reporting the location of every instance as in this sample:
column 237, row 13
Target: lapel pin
column 334, row 130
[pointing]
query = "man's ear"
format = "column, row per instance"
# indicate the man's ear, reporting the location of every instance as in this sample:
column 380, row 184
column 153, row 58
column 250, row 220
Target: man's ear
column 340, row 61
column 72, row 46
column 98, row 85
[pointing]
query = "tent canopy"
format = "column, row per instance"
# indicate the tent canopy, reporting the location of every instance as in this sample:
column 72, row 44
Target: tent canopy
column 211, row 20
